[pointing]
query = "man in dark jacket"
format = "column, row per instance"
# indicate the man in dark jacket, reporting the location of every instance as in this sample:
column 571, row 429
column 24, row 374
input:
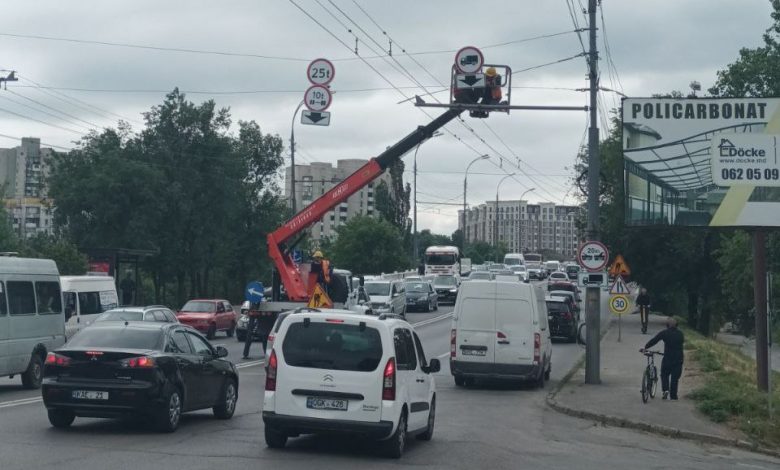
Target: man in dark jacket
column 672, row 363
column 643, row 302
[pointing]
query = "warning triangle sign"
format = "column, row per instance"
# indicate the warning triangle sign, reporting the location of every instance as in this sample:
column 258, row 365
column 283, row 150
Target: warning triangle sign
column 319, row 299
column 619, row 287
column 619, row 267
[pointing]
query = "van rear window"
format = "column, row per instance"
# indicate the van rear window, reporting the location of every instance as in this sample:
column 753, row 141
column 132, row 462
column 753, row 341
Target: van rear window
column 335, row 346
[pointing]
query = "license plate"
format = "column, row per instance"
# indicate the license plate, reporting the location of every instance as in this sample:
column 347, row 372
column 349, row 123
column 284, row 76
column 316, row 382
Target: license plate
column 317, row 403
column 89, row 395
column 473, row 352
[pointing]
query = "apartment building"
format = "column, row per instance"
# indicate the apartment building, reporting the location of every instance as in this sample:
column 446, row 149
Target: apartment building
column 23, row 172
column 522, row 226
column 313, row 180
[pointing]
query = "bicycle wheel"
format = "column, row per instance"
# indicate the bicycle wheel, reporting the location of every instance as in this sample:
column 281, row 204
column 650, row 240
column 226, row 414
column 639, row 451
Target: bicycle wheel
column 645, row 391
column 653, row 382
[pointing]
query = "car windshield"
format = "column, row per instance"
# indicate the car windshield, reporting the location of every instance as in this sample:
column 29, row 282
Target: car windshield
column 378, row 288
column 333, row 346
column 480, row 275
column 416, row 287
column 556, row 307
column 445, row 281
column 199, row 306
column 121, row 315
column 440, row 258
column 120, row 337
column 518, row 268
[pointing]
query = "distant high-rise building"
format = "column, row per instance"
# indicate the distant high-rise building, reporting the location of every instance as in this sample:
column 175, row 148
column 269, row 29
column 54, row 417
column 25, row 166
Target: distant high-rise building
column 524, row 227
column 313, row 180
column 23, row 173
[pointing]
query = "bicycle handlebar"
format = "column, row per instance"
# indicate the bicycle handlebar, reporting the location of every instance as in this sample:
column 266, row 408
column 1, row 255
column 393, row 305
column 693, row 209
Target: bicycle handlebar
column 650, row 353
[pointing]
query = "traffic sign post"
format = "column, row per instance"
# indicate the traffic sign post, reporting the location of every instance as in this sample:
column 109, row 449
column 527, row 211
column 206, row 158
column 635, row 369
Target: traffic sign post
column 593, row 256
column 619, row 305
column 317, row 98
column 469, row 60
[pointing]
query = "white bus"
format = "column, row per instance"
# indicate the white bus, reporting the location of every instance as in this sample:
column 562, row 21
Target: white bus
column 514, row 259
column 442, row 260
column 533, row 260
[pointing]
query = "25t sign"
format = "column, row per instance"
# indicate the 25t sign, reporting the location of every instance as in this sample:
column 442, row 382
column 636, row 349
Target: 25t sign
column 321, row 72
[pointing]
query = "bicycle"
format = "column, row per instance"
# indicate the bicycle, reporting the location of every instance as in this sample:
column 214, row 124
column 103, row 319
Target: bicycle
column 644, row 313
column 650, row 376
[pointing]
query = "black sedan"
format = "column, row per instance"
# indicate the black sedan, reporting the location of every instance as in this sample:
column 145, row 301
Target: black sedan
column 421, row 296
column 122, row 369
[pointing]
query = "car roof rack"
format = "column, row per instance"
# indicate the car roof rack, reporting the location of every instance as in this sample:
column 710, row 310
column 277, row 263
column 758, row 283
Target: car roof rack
column 306, row 310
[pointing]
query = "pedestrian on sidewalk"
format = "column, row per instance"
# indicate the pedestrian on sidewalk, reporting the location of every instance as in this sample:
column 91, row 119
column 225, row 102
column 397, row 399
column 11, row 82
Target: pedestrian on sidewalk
column 672, row 363
column 643, row 302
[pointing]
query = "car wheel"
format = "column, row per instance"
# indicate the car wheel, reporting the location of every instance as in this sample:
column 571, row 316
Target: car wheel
column 436, row 305
column 428, row 434
column 547, row 372
column 212, row 332
column 539, row 382
column 169, row 415
column 61, row 418
column 428, row 307
column 460, row 381
column 274, row 439
column 231, row 331
column 240, row 336
column 227, row 401
column 33, row 376
column 394, row 446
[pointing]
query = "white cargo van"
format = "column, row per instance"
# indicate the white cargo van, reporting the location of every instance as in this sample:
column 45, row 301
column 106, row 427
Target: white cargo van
column 85, row 298
column 32, row 322
column 500, row 331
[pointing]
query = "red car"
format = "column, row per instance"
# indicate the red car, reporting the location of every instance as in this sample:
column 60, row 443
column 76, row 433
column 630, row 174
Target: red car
column 209, row 316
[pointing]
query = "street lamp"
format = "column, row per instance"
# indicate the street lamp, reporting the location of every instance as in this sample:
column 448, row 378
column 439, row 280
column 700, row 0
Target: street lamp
column 292, row 158
column 495, row 214
column 465, row 177
column 520, row 227
column 416, row 247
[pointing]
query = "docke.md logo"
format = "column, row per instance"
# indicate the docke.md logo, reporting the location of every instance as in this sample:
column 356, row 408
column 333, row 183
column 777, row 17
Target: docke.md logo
column 728, row 149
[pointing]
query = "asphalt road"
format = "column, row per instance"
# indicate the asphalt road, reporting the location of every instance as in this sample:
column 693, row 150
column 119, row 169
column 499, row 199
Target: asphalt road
column 488, row 426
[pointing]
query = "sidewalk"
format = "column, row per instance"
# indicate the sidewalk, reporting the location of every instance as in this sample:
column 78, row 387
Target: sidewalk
column 617, row 399
column 748, row 347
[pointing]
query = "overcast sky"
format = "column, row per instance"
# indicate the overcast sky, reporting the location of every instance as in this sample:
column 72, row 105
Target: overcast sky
column 655, row 47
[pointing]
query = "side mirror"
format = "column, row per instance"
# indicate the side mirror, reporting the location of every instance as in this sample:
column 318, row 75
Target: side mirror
column 222, row 351
column 434, row 366
column 396, row 294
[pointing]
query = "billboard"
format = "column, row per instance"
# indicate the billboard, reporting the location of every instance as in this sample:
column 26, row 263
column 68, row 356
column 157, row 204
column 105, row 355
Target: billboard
column 702, row 161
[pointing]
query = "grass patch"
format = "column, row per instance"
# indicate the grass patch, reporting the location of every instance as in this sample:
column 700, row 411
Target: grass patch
column 729, row 394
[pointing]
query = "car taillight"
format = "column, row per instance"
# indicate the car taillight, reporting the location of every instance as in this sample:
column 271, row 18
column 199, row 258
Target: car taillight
column 537, row 348
column 453, row 340
column 270, row 337
column 388, row 380
column 270, row 373
column 54, row 359
column 140, row 362
column 566, row 315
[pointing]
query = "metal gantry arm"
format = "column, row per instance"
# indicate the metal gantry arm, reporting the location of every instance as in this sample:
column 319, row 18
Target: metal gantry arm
column 281, row 254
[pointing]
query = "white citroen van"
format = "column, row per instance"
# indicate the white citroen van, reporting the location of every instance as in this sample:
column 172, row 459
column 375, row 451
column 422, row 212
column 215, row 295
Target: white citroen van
column 500, row 331
column 85, row 298
column 32, row 321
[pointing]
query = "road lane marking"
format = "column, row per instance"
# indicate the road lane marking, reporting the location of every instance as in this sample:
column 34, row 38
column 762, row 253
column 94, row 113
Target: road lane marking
column 443, row 356
column 20, row 402
column 244, row 365
column 433, row 320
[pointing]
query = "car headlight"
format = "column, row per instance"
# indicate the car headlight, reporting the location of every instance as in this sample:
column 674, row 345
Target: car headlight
column 454, row 291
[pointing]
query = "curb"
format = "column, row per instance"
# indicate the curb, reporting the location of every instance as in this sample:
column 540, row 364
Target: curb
column 665, row 431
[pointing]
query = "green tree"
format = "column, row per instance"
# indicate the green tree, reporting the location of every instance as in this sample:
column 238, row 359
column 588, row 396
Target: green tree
column 67, row 256
column 367, row 245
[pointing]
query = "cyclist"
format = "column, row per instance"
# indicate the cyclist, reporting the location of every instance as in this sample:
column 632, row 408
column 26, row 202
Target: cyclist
column 643, row 301
column 672, row 363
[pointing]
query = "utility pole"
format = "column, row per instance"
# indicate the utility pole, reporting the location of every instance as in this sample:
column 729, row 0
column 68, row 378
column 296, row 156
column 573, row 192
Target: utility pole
column 593, row 294
column 292, row 159
column 760, row 298
column 415, row 253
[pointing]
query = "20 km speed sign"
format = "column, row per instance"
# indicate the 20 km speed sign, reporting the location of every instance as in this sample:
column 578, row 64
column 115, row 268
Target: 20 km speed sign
column 320, row 72
column 619, row 304
column 317, row 98
column 593, row 256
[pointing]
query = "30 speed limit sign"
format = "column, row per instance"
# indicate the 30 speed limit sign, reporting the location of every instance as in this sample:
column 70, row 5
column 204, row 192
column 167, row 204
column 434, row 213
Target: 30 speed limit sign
column 619, row 304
